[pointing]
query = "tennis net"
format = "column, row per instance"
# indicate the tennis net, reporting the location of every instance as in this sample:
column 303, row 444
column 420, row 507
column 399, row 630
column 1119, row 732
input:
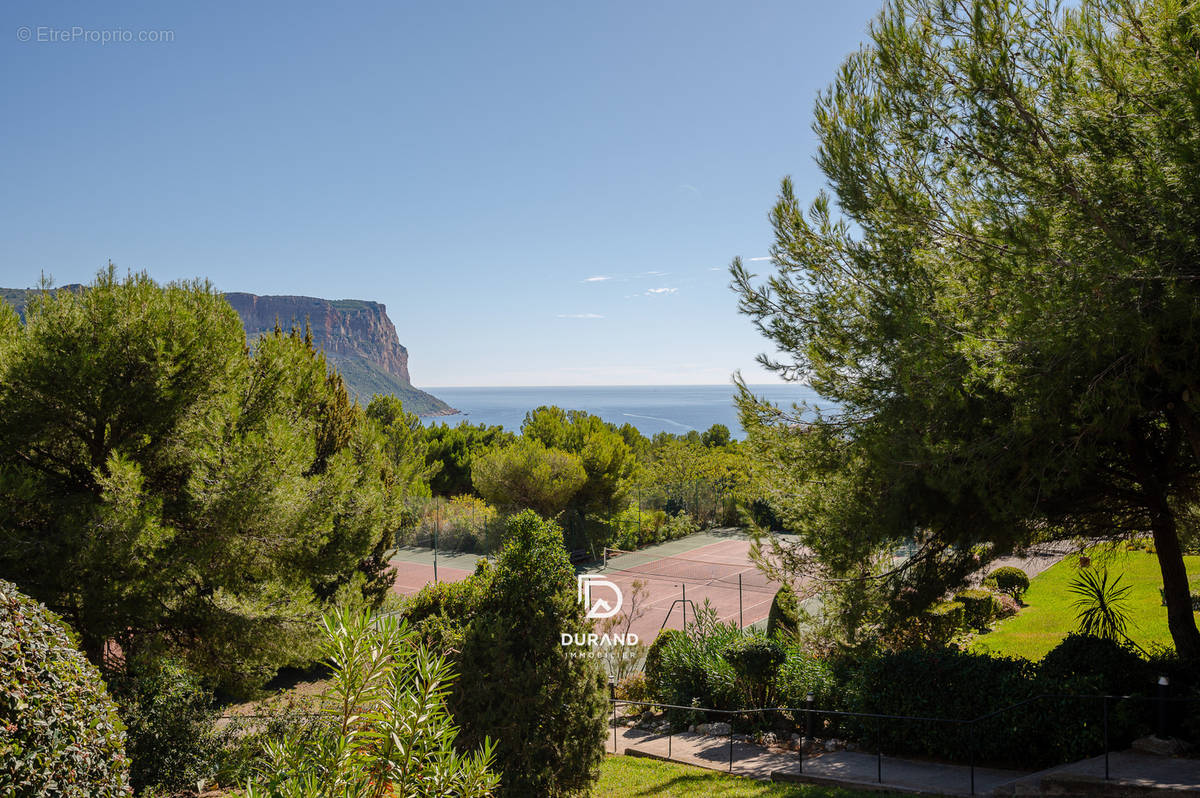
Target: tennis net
column 677, row 568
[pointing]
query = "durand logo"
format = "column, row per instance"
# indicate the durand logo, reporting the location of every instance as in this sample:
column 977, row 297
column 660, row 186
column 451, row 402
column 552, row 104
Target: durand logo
column 599, row 608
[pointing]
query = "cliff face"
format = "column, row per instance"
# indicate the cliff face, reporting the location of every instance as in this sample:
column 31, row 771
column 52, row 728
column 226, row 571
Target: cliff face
column 357, row 337
column 345, row 329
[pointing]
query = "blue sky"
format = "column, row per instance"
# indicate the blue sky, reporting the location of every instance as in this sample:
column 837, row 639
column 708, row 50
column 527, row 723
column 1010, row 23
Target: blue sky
column 541, row 194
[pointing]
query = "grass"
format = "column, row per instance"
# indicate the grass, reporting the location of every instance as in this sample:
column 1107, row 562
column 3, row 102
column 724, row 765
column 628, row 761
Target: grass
column 1049, row 615
column 627, row 777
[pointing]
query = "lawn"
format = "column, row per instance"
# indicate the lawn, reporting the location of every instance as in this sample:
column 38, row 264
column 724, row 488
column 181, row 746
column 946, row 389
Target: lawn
column 1049, row 615
column 627, row 777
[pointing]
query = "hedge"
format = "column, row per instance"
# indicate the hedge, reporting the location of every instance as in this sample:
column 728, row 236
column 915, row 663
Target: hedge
column 59, row 730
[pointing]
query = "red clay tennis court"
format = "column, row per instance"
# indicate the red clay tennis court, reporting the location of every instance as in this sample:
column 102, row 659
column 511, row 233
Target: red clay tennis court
column 412, row 576
column 721, row 573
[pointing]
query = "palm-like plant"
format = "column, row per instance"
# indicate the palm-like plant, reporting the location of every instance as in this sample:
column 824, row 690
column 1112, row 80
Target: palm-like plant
column 1103, row 606
column 388, row 734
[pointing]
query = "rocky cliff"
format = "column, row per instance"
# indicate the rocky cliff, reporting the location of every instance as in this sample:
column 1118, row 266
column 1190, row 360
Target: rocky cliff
column 358, row 339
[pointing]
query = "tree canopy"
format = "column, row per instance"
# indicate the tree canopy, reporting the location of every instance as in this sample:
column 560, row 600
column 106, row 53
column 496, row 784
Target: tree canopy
column 164, row 487
column 1000, row 294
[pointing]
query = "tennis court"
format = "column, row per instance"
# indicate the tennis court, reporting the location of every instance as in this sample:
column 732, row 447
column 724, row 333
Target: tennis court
column 412, row 576
column 721, row 573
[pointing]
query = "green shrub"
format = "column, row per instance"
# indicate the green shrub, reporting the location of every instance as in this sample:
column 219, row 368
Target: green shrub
column 1009, row 580
column 1114, row 668
column 692, row 669
column 654, row 660
column 242, row 740
column 979, row 608
column 801, row 673
column 943, row 621
column 754, row 657
column 59, row 730
column 938, row 683
column 784, row 618
column 545, row 705
column 388, row 730
column 633, row 688
column 955, row 684
column 633, row 528
column 756, row 662
column 440, row 612
column 678, row 526
column 170, row 725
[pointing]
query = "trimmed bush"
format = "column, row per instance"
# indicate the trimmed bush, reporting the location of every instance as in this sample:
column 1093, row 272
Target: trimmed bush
column 938, row 683
column 784, row 618
column 943, row 621
column 979, row 608
column 654, row 659
column 1009, row 580
column 756, row 662
column 1114, row 668
column 59, row 730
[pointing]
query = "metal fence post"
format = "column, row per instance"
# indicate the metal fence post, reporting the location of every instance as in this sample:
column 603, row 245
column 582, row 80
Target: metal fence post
column 731, row 745
column 614, row 727
column 1163, row 684
column 1104, row 701
column 741, row 625
column 971, row 743
column 879, row 754
column 684, row 586
column 809, row 699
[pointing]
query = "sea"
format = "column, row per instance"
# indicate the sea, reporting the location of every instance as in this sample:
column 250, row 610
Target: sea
column 650, row 408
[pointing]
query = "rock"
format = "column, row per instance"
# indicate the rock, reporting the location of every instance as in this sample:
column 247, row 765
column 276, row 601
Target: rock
column 1159, row 746
column 701, row 728
column 769, row 739
column 692, row 728
column 719, row 728
column 356, row 336
column 796, row 737
column 850, row 746
column 831, row 745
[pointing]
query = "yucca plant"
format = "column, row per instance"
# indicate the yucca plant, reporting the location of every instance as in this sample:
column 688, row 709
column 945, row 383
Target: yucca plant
column 388, row 731
column 1103, row 606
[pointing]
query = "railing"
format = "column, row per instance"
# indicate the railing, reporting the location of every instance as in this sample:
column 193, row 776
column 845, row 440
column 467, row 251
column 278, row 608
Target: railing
column 968, row 725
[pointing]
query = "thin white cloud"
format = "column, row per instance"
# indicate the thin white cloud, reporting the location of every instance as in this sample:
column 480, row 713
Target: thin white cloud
column 660, row 291
column 599, row 278
column 691, row 188
column 654, row 274
column 580, row 316
column 756, row 260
